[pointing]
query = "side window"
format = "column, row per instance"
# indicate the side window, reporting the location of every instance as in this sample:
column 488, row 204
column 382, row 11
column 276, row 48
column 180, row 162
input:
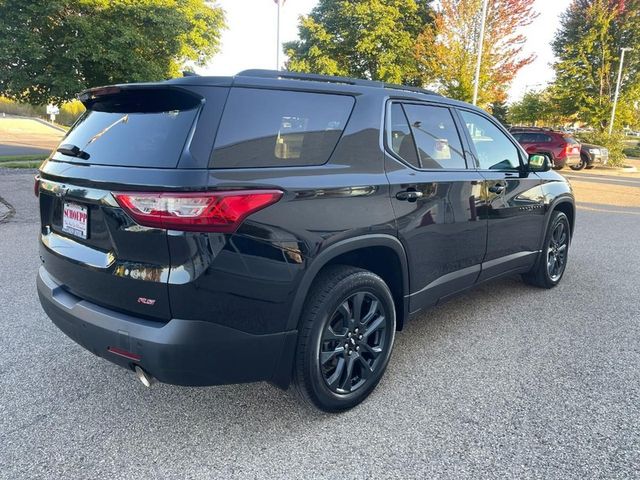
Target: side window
column 277, row 128
column 400, row 138
column 494, row 149
column 436, row 136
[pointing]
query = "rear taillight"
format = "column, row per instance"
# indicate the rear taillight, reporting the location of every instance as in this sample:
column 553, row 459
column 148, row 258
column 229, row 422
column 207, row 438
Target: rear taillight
column 36, row 185
column 200, row 212
column 571, row 149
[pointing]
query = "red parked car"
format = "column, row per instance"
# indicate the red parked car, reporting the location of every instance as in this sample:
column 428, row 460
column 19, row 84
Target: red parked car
column 562, row 148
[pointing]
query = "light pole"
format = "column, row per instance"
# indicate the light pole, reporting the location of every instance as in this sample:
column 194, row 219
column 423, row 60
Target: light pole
column 615, row 96
column 476, row 80
column 278, row 2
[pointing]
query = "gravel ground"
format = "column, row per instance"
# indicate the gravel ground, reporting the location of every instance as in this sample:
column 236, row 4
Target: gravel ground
column 506, row 381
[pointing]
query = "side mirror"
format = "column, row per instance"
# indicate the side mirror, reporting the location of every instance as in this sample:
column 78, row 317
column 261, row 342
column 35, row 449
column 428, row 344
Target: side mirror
column 539, row 163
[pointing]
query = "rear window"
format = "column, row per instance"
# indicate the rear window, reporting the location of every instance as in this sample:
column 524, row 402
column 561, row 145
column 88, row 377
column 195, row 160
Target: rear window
column 274, row 128
column 135, row 128
column 570, row 140
column 524, row 137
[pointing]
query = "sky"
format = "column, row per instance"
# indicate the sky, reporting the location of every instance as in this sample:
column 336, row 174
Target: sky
column 250, row 40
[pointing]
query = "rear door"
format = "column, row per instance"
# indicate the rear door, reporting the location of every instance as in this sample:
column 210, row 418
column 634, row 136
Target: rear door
column 129, row 139
column 514, row 204
column 435, row 198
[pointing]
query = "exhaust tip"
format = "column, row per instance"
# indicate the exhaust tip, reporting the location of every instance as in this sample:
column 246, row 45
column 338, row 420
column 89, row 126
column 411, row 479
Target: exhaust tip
column 146, row 379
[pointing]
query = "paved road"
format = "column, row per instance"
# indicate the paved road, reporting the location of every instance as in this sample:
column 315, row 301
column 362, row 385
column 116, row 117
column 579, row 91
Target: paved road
column 616, row 180
column 505, row 382
column 7, row 149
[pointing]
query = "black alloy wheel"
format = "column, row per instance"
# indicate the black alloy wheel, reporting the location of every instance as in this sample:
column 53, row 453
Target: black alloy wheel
column 345, row 338
column 557, row 251
column 352, row 342
column 552, row 260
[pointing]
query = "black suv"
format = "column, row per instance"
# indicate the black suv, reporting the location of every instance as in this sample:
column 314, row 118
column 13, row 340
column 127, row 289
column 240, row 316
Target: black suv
column 282, row 227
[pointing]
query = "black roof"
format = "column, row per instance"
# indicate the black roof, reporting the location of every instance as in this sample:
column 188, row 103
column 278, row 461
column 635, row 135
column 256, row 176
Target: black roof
column 295, row 80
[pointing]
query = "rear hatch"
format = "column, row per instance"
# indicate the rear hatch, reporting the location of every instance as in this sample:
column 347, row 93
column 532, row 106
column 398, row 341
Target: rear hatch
column 133, row 139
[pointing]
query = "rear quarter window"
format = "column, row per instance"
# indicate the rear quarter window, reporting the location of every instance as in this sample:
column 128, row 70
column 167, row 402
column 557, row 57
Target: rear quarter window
column 277, row 128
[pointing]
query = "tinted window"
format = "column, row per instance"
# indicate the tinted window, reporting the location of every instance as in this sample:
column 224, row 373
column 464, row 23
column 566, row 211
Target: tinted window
column 571, row 140
column 401, row 139
column 271, row 128
column 436, row 136
column 494, row 149
column 521, row 137
column 138, row 129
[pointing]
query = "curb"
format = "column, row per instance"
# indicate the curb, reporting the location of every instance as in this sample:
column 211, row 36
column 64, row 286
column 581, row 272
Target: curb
column 6, row 210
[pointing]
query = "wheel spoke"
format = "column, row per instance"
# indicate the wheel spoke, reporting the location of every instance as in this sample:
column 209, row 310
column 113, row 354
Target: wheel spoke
column 337, row 374
column 374, row 351
column 365, row 368
column 344, row 310
column 358, row 300
column 326, row 357
column 373, row 309
column 345, row 383
column 329, row 335
column 562, row 247
column 376, row 325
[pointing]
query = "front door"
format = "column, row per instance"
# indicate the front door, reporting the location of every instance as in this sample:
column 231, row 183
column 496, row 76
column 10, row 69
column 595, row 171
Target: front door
column 435, row 199
column 514, row 200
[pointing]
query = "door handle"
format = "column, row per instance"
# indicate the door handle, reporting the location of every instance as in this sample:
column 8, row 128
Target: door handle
column 497, row 188
column 409, row 195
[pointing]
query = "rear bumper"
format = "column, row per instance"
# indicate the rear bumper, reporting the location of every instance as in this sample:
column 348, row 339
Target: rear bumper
column 572, row 159
column 180, row 352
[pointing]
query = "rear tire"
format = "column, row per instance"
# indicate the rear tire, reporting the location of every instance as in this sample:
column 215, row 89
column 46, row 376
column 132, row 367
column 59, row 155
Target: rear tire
column 552, row 261
column 346, row 338
column 583, row 163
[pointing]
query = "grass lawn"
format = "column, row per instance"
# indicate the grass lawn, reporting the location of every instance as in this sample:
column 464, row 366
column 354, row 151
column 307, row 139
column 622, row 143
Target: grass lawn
column 22, row 161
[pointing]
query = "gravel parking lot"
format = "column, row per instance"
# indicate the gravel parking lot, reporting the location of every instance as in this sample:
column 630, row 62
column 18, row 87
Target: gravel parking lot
column 507, row 381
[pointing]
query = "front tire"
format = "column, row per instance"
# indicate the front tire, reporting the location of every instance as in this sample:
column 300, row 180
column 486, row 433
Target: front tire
column 559, row 166
column 552, row 261
column 346, row 338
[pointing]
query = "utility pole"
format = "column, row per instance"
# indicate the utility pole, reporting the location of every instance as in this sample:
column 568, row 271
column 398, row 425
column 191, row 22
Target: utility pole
column 476, row 80
column 615, row 97
column 278, row 35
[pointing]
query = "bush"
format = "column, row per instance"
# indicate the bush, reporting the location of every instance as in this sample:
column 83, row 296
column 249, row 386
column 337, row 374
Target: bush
column 69, row 111
column 614, row 143
column 632, row 151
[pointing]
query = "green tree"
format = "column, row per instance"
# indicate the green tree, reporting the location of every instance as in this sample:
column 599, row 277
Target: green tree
column 587, row 48
column 52, row 49
column 528, row 111
column 372, row 39
column 535, row 108
column 500, row 111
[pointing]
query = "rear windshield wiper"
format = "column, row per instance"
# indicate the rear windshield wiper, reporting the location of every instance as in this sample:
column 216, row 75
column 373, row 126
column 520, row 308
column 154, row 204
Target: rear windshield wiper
column 123, row 119
column 72, row 151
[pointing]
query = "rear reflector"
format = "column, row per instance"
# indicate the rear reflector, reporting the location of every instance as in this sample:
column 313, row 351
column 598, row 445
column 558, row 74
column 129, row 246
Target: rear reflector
column 199, row 212
column 124, row 353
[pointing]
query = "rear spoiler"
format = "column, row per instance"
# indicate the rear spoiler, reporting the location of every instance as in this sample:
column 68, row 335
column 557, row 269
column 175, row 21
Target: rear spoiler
column 139, row 97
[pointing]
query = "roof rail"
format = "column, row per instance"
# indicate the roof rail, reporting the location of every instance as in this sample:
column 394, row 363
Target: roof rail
column 394, row 86
column 330, row 79
column 308, row 76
